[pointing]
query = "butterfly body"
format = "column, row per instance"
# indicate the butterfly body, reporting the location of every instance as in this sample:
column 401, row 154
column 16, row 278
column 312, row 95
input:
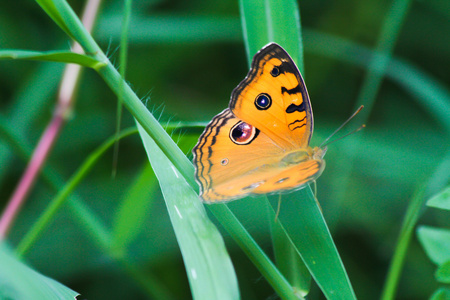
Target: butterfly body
column 260, row 144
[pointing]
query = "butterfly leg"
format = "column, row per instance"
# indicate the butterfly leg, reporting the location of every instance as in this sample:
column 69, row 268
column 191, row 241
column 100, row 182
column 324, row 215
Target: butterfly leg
column 278, row 207
column 315, row 196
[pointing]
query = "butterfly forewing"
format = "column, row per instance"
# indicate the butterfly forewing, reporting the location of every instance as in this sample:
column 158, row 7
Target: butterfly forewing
column 261, row 143
column 288, row 118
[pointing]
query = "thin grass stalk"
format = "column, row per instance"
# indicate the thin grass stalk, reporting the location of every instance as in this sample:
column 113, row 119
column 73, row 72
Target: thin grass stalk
column 122, row 71
column 69, row 22
column 371, row 84
column 436, row 181
column 398, row 260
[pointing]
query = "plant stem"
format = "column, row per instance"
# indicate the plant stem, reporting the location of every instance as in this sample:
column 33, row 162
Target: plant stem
column 395, row 269
column 51, row 133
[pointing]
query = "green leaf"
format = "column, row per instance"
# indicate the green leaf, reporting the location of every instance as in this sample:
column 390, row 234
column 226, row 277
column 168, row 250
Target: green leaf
column 208, row 265
column 241, row 236
column 56, row 56
column 441, row 294
column 20, row 282
column 443, row 272
column 287, row 256
column 311, row 236
column 279, row 21
column 441, row 200
column 272, row 21
column 436, row 242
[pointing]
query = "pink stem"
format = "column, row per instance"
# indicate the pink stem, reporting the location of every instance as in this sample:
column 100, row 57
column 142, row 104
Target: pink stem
column 29, row 177
column 48, row 138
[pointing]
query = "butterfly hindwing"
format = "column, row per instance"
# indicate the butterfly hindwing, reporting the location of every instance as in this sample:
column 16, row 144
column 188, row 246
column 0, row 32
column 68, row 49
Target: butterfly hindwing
column 228, row 168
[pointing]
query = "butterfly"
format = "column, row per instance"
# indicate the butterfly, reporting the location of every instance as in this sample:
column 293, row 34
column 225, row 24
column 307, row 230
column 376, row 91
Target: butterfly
column 260, row 143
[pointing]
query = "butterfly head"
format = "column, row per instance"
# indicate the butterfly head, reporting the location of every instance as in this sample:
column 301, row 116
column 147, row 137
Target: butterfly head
column 318, row 153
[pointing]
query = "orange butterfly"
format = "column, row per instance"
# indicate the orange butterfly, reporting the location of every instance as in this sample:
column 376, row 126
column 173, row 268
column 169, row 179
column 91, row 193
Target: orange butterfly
column 260, row 144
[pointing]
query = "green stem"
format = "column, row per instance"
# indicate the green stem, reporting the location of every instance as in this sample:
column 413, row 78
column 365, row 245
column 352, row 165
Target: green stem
column 69, row 22
column 149, row 123
column 398, row 260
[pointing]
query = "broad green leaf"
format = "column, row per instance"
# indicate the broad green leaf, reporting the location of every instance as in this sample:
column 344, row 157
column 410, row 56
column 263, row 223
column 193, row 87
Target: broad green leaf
column 441, row 294
column 287, row 257
column 436, row 242
column 208, row 265
column 278, row 21
column 272, row 21
column 56, row 56
column 303, row 221
column 251, row 248
column 20, row 282
column 441, row 200
column 443, row 272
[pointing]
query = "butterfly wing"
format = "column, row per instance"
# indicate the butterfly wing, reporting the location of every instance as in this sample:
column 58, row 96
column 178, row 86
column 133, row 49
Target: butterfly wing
column 274, row 99
column 233, row 159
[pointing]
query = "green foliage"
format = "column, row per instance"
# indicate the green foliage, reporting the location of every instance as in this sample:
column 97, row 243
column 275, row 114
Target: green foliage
column 114, row 238
column 441, row 200
column 208, row 266
column 21, row 282
column 56, row 56
column 436, row 243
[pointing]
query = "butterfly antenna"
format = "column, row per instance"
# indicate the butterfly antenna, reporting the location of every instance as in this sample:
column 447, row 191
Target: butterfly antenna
column 354, row 131
column 324, row 143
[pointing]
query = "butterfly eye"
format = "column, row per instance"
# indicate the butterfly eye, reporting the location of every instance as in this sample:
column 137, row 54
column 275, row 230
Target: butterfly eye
column 243, row 133
column 275, row 72
column 263, row 101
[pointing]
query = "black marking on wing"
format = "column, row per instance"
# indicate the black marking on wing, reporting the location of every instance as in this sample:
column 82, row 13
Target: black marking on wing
column 212, row 128
column 298, row 127
column 292, row 91
column 297, row 121
column 268, row 52
column 293, row 108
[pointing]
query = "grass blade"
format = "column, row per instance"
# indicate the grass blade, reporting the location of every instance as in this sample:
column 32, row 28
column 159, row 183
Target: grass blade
column 56, row 56
column 308, row 230
column 409, row 222
column 21, row 282
column 272, row 21
column 287, row 257
column 232, row 225
column 208, row 266
column 303, row 221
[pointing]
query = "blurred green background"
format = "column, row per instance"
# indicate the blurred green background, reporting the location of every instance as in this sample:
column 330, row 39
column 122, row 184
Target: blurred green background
column 185, row 58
